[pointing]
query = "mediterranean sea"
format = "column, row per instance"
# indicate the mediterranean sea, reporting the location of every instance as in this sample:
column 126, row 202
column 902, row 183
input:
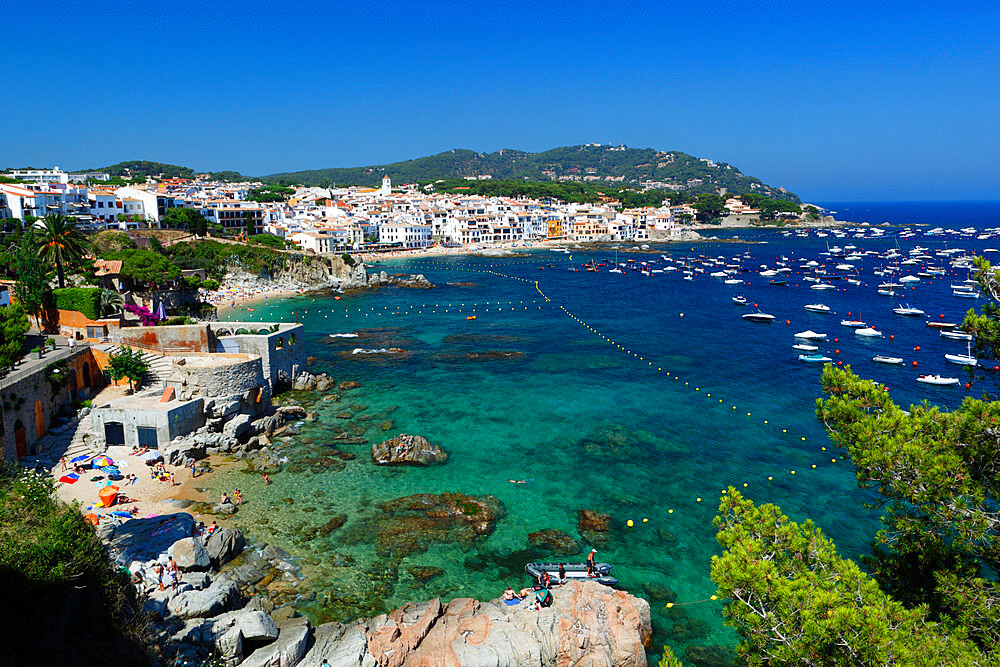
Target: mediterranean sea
column 641, row 396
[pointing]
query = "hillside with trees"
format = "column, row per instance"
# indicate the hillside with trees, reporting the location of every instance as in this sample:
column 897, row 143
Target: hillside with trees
column 133, row 169
column 588, row 164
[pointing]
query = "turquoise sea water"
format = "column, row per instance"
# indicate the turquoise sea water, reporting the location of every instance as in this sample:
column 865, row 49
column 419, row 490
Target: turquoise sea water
column 587, row 424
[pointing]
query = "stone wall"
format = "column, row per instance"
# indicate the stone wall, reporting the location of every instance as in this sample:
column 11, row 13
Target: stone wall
column 28, row 401
column 178, row 338
column 235, row 377
column 282, row 352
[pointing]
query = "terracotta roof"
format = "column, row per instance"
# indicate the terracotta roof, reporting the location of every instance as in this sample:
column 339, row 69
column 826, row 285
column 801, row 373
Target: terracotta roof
column 107, row 267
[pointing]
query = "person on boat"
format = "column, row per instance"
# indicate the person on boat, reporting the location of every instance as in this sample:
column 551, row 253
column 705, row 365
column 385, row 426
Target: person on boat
column 562, row 573
column 591, row 568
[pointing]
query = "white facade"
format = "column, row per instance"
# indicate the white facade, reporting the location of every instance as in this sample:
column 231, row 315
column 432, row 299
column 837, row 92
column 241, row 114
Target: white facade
column 408, row 235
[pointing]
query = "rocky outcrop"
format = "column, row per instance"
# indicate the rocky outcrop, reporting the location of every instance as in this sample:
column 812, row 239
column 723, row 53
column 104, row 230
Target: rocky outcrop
column 416, row 281
column 407, row 450
column 306, row 381
column 410, row 525
column 302, row 271
column 587, row 624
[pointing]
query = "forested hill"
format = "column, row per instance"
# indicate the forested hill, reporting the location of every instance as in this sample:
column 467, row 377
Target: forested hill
column 137, row 168
column 599, row 164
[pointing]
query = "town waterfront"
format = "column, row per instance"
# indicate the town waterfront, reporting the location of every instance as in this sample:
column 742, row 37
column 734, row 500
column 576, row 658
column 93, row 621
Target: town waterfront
column 525, row 392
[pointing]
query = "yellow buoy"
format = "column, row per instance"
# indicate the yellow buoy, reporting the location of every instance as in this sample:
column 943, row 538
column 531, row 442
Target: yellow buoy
column 629, row 523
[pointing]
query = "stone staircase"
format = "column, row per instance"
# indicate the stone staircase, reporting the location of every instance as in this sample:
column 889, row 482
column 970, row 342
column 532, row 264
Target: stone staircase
column 67, row 440
column 160, row 366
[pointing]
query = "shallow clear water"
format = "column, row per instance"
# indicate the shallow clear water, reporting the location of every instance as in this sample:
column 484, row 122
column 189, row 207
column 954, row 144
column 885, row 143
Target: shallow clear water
column 585, row 423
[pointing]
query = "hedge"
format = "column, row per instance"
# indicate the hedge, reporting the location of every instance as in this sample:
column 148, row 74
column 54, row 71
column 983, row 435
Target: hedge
column 85, row 300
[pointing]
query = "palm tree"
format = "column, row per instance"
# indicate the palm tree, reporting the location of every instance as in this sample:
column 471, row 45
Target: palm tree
column 112, row 302
column 59, row 241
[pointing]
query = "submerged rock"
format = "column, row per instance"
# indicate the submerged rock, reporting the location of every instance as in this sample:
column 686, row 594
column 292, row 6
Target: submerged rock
column 406, row 449
column 425, row 573
column 555, row 541
column 589, row 520
column 412, row 524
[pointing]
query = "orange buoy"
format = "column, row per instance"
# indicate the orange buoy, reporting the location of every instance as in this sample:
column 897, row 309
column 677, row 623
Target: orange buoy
column 892, row 337
column 471, row 317
column 917, row 348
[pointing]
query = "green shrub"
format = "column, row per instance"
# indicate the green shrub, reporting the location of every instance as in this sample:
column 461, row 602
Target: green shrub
column 58, row 573
column 348, row 259
column 84, row 300
column 50, row 341
column 36, row 350
column 173, row 321
column 210, row 285
column 193, row 282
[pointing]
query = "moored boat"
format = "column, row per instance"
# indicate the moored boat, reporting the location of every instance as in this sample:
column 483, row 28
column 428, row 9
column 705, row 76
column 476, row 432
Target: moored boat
column 758, row 317
column 814, row 358
column 817, row 308
column 881, row 359
column 573, row 571
column 809, row 334
column 869, row 332
column 937, row 379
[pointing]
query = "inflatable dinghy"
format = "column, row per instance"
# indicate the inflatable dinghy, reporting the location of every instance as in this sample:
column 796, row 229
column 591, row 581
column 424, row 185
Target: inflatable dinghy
column 573, row 571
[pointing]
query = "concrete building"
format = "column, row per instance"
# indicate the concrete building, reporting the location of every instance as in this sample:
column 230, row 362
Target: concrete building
column 146, row 420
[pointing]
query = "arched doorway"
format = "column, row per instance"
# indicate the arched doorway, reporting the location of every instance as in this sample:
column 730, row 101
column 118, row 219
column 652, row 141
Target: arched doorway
column 20, row 440
column 39, row 419
column 86, row 374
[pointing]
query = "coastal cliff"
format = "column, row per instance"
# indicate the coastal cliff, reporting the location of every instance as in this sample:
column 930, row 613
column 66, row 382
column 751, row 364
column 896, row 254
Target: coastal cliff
column 304, row 272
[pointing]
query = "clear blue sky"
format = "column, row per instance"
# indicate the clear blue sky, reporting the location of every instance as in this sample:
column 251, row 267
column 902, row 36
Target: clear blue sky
column 834, row 100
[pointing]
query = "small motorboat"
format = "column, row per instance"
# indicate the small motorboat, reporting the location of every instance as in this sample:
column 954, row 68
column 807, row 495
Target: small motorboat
column 881, row 359
column 814, row 358
column 937, row 379
column 804, row 347
column 908, row 310
column 778, row 283
column 965, row 294
column 941, row 325
column 822, row 286
column 956, row 334
column 886, row 292
column 857, row 324
column 740, row 300
column 758, row 317
column 732, row 281
column 573, row 571
column 869, row 332
column 810, row 335
column 817, row 308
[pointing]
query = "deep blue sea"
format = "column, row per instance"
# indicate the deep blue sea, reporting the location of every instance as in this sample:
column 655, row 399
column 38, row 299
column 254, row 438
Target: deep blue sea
column 639, row 396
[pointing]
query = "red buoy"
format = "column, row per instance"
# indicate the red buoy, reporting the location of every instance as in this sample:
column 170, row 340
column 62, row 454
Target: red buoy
column 914, row 363
column 968, row 386
column 892, row 337
column 917, row 348
column 836, row 351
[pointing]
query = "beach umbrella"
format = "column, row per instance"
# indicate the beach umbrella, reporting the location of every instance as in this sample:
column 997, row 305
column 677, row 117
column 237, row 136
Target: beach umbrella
column 103, row 462
column 92, row 518
column 82, row 457
column 161, row 313
column 108, row 495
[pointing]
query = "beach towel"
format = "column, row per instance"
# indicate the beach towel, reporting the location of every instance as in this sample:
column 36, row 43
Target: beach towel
column 71, row 478
column 511, row 603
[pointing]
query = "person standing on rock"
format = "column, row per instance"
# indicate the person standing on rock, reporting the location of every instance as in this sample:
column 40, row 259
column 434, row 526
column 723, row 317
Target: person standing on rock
column 562, row 573
column 172, row 572
column 591, row 567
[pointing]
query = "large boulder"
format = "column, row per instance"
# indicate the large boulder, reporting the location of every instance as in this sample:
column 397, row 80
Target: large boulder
column 146, row 539
column 589, row 520
column 287, row 650
column 237, row 426
column 190, row 555
column 221, row 596
column 413, row 450
column 257, row 626
column 223, row 545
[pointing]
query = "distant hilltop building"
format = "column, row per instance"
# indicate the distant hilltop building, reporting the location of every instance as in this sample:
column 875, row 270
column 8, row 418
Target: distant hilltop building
column 55, row 175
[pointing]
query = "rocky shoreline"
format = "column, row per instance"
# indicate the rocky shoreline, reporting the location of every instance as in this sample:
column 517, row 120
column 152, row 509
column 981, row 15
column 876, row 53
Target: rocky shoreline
column 234, row 601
